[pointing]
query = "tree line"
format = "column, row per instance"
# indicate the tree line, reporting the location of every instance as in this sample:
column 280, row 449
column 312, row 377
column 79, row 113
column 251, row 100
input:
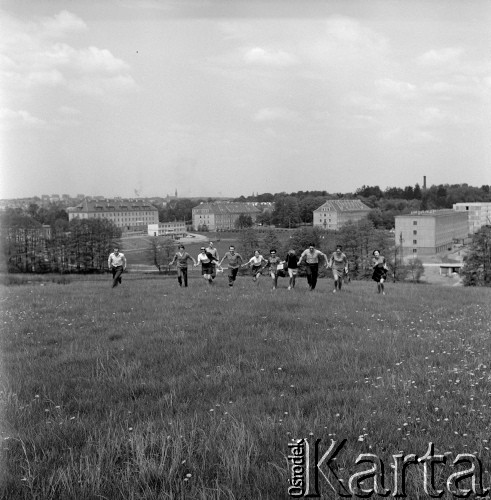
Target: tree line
column 81, row 245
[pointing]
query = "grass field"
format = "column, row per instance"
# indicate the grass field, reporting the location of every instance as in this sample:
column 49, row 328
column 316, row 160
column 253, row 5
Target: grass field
column 154, row 391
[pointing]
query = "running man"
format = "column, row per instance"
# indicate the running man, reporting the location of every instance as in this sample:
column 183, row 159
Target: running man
column 311, row 256
column 273, row 262
column 339, row 265
column 117, row 264
column 182, row 257
column 213, row 252
column 206, row 260
column 292, row 267
column 233, row 264
column 256, row 264
column 379, row 270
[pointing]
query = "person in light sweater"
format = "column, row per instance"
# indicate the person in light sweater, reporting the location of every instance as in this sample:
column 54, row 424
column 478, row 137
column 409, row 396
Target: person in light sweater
column 233, row 264
column 339, row 266
column 182, row 257
column 206, row 260
column 117, row 265
column 256, row 263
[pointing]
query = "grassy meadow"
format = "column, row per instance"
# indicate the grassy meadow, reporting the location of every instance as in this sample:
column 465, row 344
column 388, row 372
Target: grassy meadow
column 152, row 391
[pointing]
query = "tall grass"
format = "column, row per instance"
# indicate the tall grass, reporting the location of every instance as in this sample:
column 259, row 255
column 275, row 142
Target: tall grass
column 153, row 391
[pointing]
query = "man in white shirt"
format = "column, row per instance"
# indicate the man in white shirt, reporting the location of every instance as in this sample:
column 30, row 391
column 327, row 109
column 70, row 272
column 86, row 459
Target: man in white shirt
column 117, row 264
column 311, row 256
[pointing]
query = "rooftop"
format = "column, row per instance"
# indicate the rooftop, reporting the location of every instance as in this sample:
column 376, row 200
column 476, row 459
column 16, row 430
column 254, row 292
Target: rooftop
column 344, row 205
column 112, row 205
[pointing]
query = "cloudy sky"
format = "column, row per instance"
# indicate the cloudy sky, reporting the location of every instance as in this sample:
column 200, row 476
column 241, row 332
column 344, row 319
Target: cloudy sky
column 223, row 97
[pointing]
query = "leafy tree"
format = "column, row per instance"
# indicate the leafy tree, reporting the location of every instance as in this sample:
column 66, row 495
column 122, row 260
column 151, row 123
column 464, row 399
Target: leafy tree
column 248, row 242
column 265, row 197
column 286, row 212
column 265, row 218
column 90, row 242
column 180, row 210
column 271, row 240
column 160, row 251
column 415, row 269
column 301, row 238
column 477, row 264
column 307, row 206
column 408, row 193
column 368, row 191
column 394, row 193
column 243, row 221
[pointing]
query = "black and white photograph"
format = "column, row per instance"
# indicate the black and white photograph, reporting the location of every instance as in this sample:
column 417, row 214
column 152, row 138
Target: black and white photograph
column 245, row 249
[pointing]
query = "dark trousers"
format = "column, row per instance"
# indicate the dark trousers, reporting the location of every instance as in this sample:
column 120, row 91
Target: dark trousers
column 213, row 271
column 312, row 273
column 182, row 274
column 117, row 272
column 232, row 275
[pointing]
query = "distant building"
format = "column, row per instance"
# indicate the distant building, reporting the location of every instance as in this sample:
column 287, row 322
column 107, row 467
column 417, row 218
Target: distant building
column 218, row 216
column 479, row 214
column 55, row 198
column 171, row 229
column 129, row 215
column 333, row 214
column 168, row 199
column 431, row 231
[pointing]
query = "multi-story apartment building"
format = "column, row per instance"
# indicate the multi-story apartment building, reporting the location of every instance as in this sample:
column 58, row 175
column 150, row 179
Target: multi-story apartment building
column 223, row 215
column 431, row 231
column 333, row 214
column 170, row 229
column 479, row 214
column 129, row 215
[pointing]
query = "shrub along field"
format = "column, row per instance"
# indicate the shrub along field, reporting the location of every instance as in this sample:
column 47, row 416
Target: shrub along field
column 153, row 391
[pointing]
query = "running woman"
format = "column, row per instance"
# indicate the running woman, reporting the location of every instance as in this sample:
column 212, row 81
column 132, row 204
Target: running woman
column 273, row 262
column 182, row 257
column 379, row 270
column 233, row 264
column 214, row 252
column 206, row 260
column 292, row 267
column 311, row 256
column 339, row 265
column 256, row 264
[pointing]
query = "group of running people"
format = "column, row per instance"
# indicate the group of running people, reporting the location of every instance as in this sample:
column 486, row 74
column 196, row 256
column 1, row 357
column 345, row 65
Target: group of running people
column 337, row 262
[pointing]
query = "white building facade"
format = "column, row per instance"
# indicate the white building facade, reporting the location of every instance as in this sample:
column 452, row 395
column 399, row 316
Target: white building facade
column 333, row 214
column 129, row 215
column 479, row 214
column 173, row 230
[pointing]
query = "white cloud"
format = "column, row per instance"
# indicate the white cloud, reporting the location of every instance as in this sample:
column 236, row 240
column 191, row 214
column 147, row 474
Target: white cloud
column 10, row 119
column 40, row 56
column 273, row 114
column 50, row 78
column 258, row 55
column 441, row 56
column 403, row 90
column 61, row 24
column 422, row 137
column 69, row 111
column 369, row 103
